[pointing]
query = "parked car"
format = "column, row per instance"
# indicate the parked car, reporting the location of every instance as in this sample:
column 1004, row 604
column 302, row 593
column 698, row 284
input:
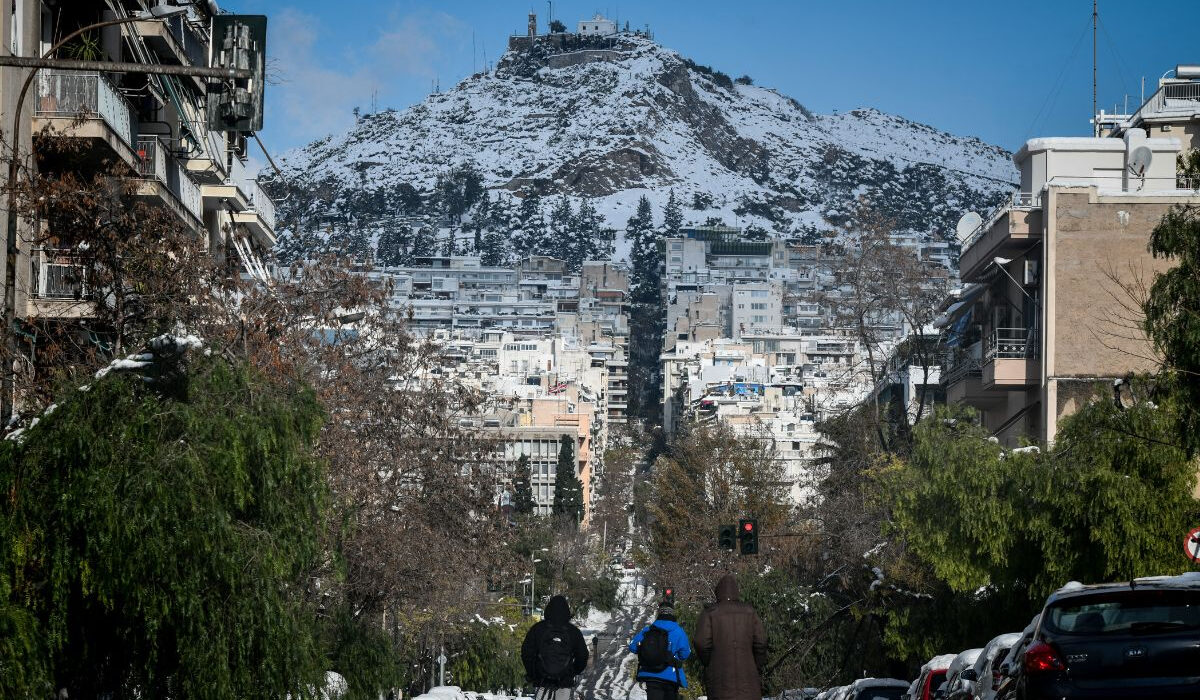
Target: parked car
column 987, row 666
column 956, row 687
column 875, row 689
column 798, row 694
column 1139, row 639
column 831, row 693
column 1010, row 666
column 930, row 678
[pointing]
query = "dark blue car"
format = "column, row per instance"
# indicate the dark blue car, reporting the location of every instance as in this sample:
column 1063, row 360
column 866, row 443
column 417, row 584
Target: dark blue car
column 1139, row 639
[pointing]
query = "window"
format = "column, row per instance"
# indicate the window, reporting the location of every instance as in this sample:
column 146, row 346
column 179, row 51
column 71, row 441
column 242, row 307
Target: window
column 759, row 293
column 759, row 306
column 758, row 319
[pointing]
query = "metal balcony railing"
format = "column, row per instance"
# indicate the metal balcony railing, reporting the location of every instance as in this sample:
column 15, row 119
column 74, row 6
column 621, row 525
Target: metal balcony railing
column 1012, row 344
column 63, row 94
column 152, row 158
column 1171, row 97
column 255, row 195
column 154, row 164
column 963, row 369
column 1018, row 200
column 188, row 192
column 57, row 274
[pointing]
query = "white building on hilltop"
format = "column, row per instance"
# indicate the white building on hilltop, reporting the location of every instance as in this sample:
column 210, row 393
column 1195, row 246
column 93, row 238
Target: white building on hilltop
column 597, row 26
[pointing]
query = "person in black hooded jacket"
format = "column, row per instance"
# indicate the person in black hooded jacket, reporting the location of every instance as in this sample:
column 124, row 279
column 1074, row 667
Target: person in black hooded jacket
column 554, row 652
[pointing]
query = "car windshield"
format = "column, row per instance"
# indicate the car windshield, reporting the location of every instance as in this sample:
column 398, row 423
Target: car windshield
column 1127, row 612
column 880, row 694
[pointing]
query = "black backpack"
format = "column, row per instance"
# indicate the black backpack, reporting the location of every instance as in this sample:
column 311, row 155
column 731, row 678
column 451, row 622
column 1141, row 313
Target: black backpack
column 654, row 653
column 555, row 658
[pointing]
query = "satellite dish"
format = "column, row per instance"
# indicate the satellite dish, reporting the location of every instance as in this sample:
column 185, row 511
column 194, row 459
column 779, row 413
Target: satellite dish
column 967, row 225
column 1139, row 161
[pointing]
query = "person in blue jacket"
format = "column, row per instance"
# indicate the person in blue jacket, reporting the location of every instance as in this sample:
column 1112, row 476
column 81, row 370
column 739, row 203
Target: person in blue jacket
column 665, row 684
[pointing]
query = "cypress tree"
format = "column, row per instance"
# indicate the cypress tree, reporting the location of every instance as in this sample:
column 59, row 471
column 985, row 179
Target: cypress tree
column 568, row 489
column 644, row 253
column 648, row 321
column 522, row 482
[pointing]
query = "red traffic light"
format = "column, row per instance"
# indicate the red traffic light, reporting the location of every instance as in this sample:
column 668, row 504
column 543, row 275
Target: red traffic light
column 748, row 526
column 668, row 592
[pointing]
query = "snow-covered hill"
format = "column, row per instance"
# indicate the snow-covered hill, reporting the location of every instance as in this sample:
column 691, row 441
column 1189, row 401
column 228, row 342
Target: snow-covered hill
column 638, row 119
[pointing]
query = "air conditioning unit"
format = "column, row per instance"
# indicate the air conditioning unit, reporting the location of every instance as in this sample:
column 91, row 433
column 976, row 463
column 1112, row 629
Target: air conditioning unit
column 1031, row 273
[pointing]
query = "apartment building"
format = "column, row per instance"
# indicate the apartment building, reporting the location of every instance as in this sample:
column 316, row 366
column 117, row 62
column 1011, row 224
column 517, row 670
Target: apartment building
column 773, row 386
column 1042, row 324
column 151, row 131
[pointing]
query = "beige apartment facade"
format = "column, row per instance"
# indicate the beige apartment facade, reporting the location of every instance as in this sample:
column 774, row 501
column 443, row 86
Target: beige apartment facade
column 1050, row 312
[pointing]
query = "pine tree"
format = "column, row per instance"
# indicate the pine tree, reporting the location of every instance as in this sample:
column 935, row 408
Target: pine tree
column 522, row 484
column 562, row 236
column 644, row 253
column 590, row 236
column 672, row 217
column 390, row 249
column 568, row 489
column 422, row 244
column 532, row 238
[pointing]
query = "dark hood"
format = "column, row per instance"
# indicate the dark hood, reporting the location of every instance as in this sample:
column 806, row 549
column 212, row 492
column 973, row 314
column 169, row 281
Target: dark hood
column 727, row 588
column 557, row 611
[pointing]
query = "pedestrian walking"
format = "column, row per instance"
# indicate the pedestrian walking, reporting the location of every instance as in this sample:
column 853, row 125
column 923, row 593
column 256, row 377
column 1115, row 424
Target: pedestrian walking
column 661, row 647
column 554, row 652
column 732, row 645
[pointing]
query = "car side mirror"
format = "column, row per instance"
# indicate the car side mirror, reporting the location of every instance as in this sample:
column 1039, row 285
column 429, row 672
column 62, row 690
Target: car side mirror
column 969, row 675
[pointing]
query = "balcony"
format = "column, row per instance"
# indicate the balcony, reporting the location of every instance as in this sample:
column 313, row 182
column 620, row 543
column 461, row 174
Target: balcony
column 86, row 106
column 1011, row 359
column 57, row 285
column 207, row 166
column 1175, row 99
column 249, row 203
column 1006, row 232
column 163, row 180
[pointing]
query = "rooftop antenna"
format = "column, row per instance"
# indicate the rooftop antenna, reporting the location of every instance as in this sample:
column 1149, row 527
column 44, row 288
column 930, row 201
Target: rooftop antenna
column 1095, row 20
column 966, row 226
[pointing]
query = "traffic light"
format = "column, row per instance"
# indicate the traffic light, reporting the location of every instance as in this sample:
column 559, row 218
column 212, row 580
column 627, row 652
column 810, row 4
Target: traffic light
column 748, row 535
column 727, row 537
column 669, row 595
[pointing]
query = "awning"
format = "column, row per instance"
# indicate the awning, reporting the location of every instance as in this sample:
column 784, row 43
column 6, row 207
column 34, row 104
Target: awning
column 965, row 299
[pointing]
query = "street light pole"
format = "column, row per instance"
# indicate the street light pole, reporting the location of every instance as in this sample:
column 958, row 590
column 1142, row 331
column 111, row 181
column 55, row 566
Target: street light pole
column 7, row 382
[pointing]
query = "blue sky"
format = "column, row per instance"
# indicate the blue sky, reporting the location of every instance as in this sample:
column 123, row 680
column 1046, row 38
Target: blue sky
column 1003, row 70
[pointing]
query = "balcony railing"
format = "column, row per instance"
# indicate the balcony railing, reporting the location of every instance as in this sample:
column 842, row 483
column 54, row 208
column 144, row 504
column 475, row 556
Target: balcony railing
column 1171, row 97
column 964, row 369
column 188, row 191
column 1018, row 200
column 57, row 274
column 1012, row 344
column 152, row 158
column 255, row 195
column 154, row 164
column 62, row 94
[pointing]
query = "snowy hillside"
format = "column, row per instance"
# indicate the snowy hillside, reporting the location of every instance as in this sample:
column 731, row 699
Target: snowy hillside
column 611, row 125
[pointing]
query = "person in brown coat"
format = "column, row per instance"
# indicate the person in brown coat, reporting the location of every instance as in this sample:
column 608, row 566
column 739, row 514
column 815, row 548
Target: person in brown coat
column 732, row 645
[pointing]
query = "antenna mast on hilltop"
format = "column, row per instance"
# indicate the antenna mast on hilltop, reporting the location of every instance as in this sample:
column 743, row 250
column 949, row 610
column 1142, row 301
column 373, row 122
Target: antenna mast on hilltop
column 1095, row 117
